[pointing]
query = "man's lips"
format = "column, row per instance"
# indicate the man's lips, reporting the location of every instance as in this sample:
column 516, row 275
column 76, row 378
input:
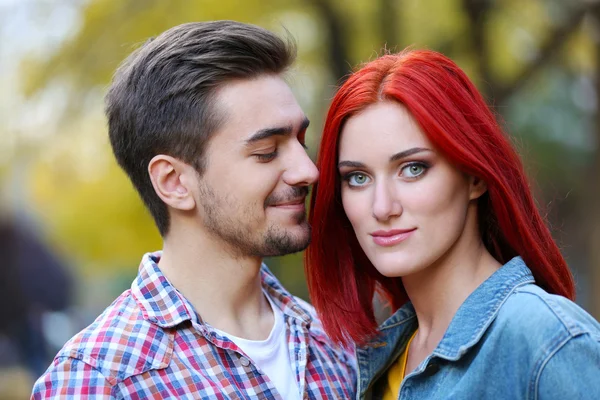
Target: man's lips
column 296, row 204
column 391, row 237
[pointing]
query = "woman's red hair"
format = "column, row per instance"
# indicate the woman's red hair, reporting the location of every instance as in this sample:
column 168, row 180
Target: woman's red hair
column 455, row 118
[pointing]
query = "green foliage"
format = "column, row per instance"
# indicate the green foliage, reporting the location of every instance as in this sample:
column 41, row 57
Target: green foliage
column 95, row 216
column 89, row 205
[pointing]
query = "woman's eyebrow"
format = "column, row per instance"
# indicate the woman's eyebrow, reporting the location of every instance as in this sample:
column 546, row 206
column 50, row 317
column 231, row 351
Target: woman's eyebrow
column 395, row 157
column 407, row 153
column 353, row 164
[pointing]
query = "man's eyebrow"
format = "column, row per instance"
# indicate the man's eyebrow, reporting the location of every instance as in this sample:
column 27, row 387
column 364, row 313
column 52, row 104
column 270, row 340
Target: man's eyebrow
column 407, row 153
column 278, row 131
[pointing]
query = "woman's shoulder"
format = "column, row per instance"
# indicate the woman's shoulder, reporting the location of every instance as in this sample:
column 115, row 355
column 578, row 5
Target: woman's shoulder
column 552, row 337
column 530, row 308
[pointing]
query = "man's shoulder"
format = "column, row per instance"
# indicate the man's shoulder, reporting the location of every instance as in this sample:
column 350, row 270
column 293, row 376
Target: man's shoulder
column 121, row 342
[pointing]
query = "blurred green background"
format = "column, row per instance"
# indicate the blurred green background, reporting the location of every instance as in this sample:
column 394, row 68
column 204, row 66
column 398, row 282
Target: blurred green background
column 537, row 61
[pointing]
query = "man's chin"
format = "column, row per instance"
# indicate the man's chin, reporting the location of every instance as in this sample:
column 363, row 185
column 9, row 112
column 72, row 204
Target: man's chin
column 288, row 240
column 292, row 219
column 301, row 231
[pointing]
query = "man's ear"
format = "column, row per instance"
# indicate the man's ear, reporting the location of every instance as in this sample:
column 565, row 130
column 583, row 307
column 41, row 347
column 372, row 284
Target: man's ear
column 173, row 181
column 477, row 187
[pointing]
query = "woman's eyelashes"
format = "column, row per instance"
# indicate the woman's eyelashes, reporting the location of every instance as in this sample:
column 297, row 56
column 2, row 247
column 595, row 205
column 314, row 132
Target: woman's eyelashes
column 414, row 169
column 356, row 179
column 302, row 141
column 409, row 171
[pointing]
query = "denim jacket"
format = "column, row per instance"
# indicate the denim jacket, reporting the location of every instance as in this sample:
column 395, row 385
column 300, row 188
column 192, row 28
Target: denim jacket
column 509, row 340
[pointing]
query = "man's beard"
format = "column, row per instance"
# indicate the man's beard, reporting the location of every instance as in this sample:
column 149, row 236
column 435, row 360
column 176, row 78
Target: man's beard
column 239, row 234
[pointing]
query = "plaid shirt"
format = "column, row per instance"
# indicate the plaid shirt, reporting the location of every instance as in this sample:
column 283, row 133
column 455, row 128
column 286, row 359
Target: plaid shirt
column 150, row 343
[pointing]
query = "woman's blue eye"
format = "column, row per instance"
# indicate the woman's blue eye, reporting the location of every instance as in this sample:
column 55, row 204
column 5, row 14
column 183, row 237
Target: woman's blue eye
column 358, row 179
column 413, row 170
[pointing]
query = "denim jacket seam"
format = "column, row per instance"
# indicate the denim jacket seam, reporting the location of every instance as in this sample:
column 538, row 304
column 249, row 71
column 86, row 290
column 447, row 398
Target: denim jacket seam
column 544, row 360
column 397, row 323
column 571, row 329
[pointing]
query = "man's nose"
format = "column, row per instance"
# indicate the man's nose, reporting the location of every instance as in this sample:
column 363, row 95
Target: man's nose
column 300, row 171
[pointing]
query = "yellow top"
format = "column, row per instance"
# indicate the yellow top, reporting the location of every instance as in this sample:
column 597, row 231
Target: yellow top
column 396, row 373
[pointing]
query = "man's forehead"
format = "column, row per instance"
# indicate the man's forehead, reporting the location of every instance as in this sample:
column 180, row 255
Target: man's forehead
column 251, row 105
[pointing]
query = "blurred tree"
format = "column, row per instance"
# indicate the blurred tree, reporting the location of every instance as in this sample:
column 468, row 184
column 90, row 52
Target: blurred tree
column 532, row 58
column 591, row 215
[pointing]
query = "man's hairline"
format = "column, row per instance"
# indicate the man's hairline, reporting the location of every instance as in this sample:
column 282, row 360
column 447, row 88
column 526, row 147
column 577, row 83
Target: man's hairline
column 220, row 112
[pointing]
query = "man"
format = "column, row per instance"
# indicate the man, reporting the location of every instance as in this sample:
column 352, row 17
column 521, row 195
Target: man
column 212, row 138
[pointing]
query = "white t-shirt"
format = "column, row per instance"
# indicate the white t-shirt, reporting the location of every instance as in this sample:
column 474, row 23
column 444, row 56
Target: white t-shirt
column 272, row 355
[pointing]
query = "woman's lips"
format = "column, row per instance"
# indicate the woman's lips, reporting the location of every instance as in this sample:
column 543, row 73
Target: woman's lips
column 391, row 238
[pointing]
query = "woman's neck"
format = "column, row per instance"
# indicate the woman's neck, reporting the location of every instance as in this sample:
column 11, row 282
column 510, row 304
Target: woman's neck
column 439, row 290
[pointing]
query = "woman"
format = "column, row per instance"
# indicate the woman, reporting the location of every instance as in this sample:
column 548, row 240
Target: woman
column 422, row 199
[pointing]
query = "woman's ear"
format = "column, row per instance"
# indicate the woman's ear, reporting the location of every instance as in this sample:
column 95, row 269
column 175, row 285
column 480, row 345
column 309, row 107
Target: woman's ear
column 172, row 180
column 477, row 187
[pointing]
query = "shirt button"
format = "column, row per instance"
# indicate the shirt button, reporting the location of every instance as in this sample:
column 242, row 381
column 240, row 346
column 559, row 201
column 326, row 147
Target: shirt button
column 244, row 361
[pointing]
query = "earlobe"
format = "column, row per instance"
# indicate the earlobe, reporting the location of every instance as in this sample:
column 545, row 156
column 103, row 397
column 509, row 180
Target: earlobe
column 478, row 187
column 170, row 181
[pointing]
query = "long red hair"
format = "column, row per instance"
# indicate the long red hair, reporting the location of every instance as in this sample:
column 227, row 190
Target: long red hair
column 455, row 118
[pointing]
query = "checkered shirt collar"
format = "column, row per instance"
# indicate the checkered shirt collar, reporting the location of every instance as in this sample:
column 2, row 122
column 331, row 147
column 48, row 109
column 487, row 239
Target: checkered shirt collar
column 166, row 307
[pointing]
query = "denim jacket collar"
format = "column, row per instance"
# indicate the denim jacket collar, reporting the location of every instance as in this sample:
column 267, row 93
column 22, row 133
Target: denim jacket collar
column 477, row 312
column 481, row 308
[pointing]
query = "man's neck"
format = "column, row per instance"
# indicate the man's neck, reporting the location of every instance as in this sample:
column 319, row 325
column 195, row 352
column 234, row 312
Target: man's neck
column 224, row 290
